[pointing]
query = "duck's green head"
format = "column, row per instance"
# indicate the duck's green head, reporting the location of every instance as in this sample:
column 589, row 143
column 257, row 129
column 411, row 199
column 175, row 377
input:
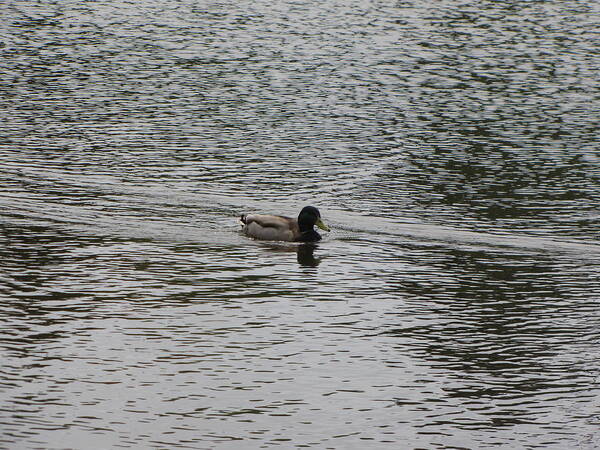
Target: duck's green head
column 309, row 217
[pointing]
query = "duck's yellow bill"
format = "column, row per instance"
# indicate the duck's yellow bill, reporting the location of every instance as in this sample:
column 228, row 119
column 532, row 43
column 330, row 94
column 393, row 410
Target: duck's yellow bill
column 322, row 226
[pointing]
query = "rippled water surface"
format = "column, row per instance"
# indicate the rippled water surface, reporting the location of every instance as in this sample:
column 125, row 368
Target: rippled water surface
column 452, row 147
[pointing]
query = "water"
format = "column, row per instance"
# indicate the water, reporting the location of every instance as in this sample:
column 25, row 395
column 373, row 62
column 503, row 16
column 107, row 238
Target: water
column 452, row 148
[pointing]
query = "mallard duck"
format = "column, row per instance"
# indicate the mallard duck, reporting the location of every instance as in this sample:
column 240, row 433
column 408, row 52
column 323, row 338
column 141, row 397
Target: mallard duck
column 281, row 228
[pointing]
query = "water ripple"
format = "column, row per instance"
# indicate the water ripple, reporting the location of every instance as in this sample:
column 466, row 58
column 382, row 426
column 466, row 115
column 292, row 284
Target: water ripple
column 451, row 148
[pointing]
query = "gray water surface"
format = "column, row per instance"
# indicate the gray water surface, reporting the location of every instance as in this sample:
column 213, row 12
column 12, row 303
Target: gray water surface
column 452, row 147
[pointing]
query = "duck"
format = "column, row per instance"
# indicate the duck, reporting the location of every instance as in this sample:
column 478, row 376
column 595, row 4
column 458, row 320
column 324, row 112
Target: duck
column 281, row 228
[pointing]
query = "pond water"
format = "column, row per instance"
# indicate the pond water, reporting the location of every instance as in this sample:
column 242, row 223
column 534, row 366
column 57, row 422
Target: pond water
column 452, row 147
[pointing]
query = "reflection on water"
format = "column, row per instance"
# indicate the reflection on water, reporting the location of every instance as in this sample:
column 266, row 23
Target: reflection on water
column 451, row 148
column 306, row 255
column 305, row 252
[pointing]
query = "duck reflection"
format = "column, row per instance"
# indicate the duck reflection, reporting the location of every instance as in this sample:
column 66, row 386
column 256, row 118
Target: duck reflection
column 306, row 257
column 304, row 253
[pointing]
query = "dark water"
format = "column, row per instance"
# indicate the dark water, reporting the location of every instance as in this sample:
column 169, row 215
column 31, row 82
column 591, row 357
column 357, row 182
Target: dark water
column 451, row 146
